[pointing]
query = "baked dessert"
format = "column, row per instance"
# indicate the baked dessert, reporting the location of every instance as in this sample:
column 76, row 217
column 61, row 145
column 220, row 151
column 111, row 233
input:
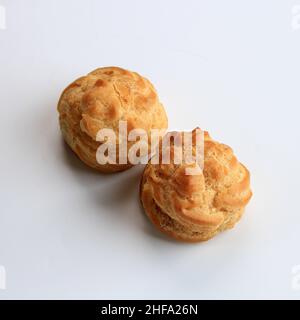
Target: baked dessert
column 101, row 100
column 196, row 207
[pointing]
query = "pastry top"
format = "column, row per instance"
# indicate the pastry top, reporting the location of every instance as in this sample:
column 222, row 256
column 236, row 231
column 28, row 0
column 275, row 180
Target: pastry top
column 107, row 95
column 198, row 202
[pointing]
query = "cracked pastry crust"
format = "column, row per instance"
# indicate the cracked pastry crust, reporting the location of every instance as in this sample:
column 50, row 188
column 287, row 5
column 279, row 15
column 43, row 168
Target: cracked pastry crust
column 100, row 100
column 196, row 207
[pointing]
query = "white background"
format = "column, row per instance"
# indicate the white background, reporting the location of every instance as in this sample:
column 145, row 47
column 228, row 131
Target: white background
column 230, row 67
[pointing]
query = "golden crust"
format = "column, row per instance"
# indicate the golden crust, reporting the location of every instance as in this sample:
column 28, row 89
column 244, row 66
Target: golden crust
column 196, row 207
column 100, row 100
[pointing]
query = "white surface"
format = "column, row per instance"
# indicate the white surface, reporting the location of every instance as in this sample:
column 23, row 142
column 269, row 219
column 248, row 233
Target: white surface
column 231, row 67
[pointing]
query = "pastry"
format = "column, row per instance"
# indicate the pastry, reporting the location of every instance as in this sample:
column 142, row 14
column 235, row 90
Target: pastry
column 100, row 100
column 196, row 207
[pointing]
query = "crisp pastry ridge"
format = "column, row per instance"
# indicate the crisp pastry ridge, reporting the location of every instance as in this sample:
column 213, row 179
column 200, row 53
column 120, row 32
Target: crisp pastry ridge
column 196, row 207
column 101, row 99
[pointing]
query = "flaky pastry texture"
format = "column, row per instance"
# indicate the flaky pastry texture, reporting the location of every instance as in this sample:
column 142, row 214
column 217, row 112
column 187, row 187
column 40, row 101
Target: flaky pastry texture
column 196, row 207
column 100, row 100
